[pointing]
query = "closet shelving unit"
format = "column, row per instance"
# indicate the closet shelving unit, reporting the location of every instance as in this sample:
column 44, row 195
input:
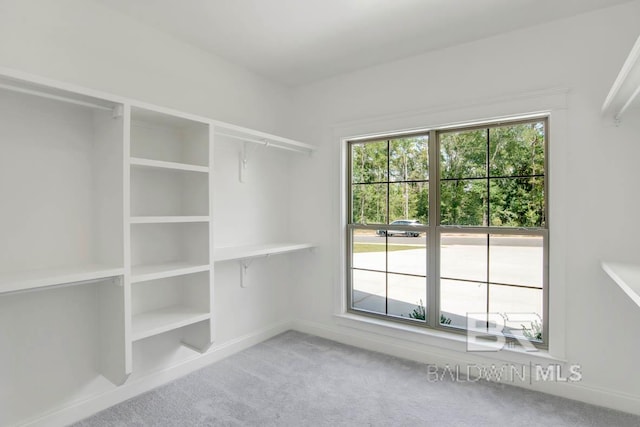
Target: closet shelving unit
column 170, row 231
column 107, row 252
column 62, row 318
column 251, row 141
column 626, row 276
column 625, row 91
column 623, row 97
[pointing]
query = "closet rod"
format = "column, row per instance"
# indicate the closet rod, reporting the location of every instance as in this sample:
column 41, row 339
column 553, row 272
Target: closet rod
column 264, row 142
column 113, row 279
column 54, row 97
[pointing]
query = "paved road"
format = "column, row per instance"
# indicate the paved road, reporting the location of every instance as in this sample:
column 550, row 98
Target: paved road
column 400, row 240
column 455, row 240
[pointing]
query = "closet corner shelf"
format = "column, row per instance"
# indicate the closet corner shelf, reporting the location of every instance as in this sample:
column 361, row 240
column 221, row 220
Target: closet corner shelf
column 253, row 251
column 159, row 164
column 627, row 276
column 39, row 279
column 166, row 319
column 142, row 273
column 167, row 219
column 626, row 88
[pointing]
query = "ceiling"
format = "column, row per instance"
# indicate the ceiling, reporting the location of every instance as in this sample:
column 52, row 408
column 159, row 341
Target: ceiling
column 296, row 42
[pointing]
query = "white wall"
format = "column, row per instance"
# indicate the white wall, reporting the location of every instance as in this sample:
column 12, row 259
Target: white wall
column 85, row 43
column 583, row 54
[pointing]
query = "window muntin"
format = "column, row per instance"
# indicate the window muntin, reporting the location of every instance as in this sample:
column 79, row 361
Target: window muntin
column 486, row 237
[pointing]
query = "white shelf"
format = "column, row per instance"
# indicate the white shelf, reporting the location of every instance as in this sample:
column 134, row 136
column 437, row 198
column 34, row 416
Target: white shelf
column 155, row 322
column 627, row 276
column 253, row 251
column 167, row 219
column 35, row 279
column 160, row 164
column 143, row 273
column 626, row 88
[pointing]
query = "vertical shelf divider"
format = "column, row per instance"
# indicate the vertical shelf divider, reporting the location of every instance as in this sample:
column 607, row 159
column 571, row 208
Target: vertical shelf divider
column 126, row 203
column 212, row 237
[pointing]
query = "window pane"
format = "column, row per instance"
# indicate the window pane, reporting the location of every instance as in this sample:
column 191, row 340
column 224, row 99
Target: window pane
column 369, row 162
column 407, row 296
column 512, row 300
column 463, row 203
column 516, row 260
column 369, row 291
column 408, row 255
column 463, row 256
column 517, row 149
column 457, row 298
column 369, row 250
column 521, row 309
column 369, row 203
column 408, row 159
column 409, row 200
column 517, row 202
column 463, row 154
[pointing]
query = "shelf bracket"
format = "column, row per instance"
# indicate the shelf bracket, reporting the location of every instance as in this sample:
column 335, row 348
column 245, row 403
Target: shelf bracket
column 244, row 158
column 117, row 112
column 243, row 163
column 244, row 269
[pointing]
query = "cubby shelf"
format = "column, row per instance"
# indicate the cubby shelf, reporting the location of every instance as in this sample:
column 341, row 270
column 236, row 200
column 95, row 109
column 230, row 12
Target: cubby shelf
column 156, row 322
column 167, row 219
column 159, row 164
column 36, row 279
column 626, row 276
column 143, row 273
column 253, row 251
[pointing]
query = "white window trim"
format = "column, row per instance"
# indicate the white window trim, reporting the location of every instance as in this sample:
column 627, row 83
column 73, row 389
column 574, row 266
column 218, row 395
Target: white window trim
column 552, row 102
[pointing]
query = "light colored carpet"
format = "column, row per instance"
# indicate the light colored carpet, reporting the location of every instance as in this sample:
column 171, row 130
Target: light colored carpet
column 296, row 379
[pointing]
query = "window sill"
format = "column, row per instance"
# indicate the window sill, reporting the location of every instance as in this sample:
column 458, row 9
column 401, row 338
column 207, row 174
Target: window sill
column 441, row 339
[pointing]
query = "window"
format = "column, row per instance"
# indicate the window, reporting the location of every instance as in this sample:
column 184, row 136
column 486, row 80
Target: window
column 449, row 226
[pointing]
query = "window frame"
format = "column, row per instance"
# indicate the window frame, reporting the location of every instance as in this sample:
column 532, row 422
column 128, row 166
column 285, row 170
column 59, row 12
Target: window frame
column 435, row 230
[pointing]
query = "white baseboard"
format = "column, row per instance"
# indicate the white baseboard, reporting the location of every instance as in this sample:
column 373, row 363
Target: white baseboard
column 80, row 410
column 580, row 391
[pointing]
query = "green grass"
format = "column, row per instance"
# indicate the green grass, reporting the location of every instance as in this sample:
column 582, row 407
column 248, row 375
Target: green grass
column 380, row 247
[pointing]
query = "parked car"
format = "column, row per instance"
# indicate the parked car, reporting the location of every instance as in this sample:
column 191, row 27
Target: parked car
column 407, row 233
